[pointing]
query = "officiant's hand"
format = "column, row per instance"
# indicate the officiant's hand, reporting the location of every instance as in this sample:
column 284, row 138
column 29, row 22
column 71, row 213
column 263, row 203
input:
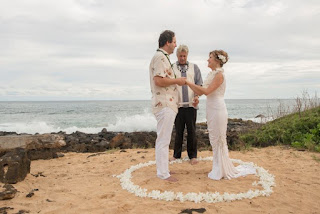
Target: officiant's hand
column 195, row 101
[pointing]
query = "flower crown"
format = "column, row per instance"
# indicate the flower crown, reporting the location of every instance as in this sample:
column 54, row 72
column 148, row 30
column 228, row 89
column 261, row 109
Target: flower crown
column 222, row 58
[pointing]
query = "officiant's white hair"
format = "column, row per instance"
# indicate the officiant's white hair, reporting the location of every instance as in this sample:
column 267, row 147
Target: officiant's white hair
column 182, row 48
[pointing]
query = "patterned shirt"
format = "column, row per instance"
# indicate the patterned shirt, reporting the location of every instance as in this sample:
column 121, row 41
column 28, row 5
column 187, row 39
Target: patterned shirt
column 162, row 96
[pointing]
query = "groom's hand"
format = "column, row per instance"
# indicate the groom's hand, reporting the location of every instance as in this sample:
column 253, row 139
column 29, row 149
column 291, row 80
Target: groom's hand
column 181, row 81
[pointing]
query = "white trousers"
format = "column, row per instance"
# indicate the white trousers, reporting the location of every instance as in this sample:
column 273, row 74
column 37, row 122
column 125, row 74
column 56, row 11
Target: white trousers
column 165, row 120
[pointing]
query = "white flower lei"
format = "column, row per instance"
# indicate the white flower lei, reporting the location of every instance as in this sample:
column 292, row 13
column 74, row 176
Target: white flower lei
column 266, row 181
column 222, row 58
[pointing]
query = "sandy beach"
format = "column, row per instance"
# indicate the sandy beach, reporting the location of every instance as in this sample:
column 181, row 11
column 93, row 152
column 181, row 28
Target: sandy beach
column 85, row 183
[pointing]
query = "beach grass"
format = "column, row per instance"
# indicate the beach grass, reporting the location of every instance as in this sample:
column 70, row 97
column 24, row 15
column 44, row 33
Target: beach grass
column 300, row 130
column 298, row 127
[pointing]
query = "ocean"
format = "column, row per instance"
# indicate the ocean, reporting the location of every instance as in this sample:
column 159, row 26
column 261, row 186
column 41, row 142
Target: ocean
column 126, row 116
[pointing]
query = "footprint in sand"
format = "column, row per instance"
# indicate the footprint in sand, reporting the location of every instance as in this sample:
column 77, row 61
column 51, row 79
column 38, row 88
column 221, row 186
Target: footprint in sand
column 107, row 196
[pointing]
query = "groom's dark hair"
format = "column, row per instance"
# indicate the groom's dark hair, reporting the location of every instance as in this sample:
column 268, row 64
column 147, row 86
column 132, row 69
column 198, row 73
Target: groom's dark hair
column 165, row 36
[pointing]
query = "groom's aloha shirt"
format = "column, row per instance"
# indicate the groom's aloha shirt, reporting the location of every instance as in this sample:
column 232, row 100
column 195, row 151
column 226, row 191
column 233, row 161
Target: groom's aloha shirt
column 162, row 96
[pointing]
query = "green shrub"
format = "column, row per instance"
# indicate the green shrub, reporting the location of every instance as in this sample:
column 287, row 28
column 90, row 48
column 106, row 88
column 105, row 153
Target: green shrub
column 301, row 131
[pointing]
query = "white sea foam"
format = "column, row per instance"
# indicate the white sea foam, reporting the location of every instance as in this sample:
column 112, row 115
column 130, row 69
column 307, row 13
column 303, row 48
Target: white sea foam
column 144, row 122
column 29, row 128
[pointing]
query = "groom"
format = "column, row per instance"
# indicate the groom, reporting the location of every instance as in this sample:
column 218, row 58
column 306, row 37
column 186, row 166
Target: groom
column 164, row 91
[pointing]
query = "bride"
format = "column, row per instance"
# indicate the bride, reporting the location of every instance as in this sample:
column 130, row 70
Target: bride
column 217, row 118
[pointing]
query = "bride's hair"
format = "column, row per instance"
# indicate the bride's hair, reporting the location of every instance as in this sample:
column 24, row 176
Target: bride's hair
column 221, row 55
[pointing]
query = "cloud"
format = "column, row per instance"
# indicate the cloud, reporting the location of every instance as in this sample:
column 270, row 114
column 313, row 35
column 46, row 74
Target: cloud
column 93, row 49
column 272, row 79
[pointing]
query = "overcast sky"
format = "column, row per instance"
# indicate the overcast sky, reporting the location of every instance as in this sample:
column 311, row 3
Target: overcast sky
column 101, row 50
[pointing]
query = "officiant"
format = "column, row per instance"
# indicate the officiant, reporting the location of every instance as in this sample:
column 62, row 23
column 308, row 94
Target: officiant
column 188, row 105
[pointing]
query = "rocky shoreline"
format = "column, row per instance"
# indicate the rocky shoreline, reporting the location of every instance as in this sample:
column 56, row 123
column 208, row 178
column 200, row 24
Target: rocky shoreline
column 46, row 146
column 18, row 150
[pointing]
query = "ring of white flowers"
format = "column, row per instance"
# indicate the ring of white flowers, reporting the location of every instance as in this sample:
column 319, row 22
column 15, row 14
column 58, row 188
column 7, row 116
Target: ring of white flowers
column 266, row 181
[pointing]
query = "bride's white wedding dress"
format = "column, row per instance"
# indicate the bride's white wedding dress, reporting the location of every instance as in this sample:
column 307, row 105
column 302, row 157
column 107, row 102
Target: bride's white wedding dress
column 217, row 120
